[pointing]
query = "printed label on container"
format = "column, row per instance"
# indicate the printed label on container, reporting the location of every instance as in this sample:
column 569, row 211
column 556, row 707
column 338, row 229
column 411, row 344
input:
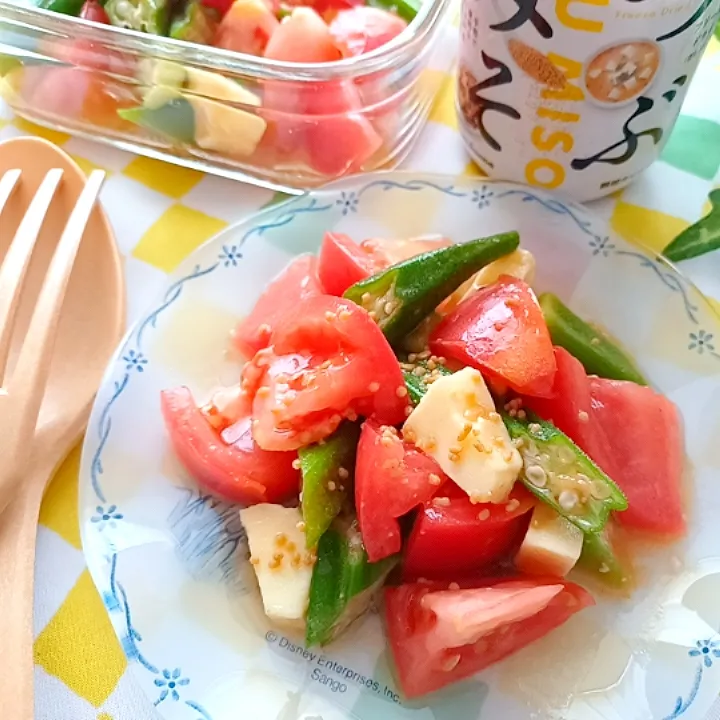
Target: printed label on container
column 576, row 95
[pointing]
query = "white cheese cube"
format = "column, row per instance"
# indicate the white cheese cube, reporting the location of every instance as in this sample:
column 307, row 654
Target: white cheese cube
column 551, row 546
column 456, row 424
column 282, row 564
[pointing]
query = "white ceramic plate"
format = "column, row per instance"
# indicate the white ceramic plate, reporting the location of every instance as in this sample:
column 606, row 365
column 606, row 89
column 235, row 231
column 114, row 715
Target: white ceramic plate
column 170, row 563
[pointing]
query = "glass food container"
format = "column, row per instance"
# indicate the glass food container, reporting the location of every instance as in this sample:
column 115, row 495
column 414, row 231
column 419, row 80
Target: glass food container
column 286, row 126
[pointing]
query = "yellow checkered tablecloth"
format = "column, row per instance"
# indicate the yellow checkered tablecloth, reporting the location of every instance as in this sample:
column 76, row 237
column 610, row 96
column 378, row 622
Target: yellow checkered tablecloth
column 161, row 213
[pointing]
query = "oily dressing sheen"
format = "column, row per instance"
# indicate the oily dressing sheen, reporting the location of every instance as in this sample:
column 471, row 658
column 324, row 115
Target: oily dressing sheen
column 576, row 95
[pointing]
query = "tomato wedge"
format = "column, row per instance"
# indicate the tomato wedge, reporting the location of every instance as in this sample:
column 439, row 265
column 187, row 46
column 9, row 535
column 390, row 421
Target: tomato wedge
column 342, row 262
column 452, row 538
column 501, row 331
column 328, row 360
column 643, row 430
column 297, row 281
column 228, row 464
column 302, row 37
column 247, row 26
column 570, row 407
column 439, row 636
column 363, row 29
column 391, row 479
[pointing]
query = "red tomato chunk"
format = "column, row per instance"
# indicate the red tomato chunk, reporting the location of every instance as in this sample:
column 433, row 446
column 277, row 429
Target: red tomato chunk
column 229, row 465
column 328, row 361
column 439, row 636
column 298, row 280
column 642, row 428
column 392, row 478
column 453, row 538
column 501, row 331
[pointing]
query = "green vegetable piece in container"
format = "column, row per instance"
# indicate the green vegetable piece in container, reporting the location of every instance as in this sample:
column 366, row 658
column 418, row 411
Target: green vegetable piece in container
column 700, row 237
column 149, row 16
column 327, row 475
column 343, row 583
column 66, row 7
column 606, row 564
column 406, row 9
column 404, row 294
column 599, row 355
column 560, row 474
column 194, row 22
column 166, row 112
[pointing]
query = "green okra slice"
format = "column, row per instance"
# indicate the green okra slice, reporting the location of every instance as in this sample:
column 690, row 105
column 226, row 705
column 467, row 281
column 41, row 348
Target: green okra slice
column 149, row 16
column 606, row 564
column 343, row 582
column 327, row 479
column 598, row 354
column 194, row 22
column 560, row 474
column 402, row 295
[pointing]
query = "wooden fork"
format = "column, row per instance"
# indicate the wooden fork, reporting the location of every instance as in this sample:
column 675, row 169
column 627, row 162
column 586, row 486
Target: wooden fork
column 21, row 392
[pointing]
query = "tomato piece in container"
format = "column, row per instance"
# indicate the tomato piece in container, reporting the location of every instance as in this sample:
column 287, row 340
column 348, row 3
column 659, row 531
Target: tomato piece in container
column 246, row 27
column 439, row 635
column 364, row 29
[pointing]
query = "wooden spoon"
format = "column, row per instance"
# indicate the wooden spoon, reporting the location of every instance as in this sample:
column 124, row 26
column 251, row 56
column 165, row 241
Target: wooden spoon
column 88, row 328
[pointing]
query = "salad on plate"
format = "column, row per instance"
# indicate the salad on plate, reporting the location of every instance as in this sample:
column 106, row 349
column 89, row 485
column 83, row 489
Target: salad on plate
column 414, row 427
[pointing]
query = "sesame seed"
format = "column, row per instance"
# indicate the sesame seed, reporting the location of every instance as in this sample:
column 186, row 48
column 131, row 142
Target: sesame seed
column 343, row 474
column 583, row 416
column 296, row 561
column 536, row 475
column 291, row 547
column 373, row 315
column 366, row 297
column 471, row 414
column 456, row 449
column 513, row 505
column 466, row 430
column 264, row 329
column 431, row 364
column 484, row 514
column 254, row 561
column 595, row 341
column 475, row 498
column 263, row 391
column 434, row 479
column 534, row 428
column 450, row 663
column 402, row 391
column 274, row 564
column 604, row 568
column 412, row 357
column 345, row 314
column 296, row 463
column 300, row 526
column 517, row 442
column 386, row 441
column 568, row 500
column 280, row 539
column 441, row 360
column 508, row 457
column 424, row 355
column 331, row 486
column 389, row 308
column 493, row 416
column 329, row 315
column 373, row 387
column 441, row 501
column 419, row 371
column 453, row 586
column 521, row 414
column 480, row 447
column 325, row 365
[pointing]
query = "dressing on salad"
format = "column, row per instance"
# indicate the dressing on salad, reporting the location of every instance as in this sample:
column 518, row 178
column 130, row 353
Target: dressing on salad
column 461, row 483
